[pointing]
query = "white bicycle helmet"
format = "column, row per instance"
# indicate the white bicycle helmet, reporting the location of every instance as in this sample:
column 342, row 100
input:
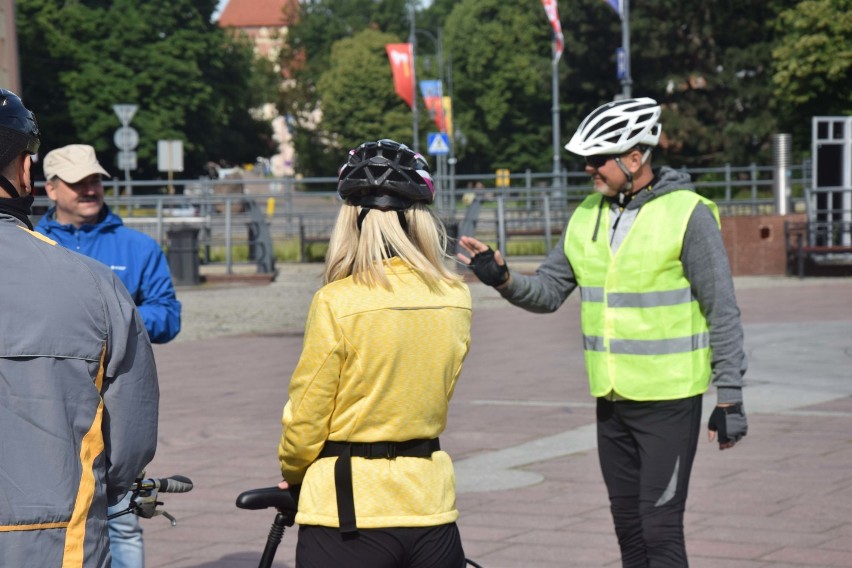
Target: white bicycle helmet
column 617, row 127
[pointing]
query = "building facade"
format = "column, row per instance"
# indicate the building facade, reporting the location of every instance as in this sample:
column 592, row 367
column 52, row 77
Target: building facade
column 265, row 22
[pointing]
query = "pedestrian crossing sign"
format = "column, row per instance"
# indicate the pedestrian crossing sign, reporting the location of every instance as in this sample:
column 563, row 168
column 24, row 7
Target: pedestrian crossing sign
column 438, row 144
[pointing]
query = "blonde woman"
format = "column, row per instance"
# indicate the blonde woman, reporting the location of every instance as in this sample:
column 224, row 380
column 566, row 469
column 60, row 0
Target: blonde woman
column 384, row 344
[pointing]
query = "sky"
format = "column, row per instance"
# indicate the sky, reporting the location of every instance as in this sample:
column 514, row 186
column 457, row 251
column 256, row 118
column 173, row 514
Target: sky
column 219, row 8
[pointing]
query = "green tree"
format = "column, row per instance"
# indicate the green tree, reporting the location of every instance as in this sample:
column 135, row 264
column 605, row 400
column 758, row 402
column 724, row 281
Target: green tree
column 500, row 54
column 813, row 63
column 361, row 106
column 502, row 68
column 587, row 76
column 709, row 63
column 307, row 56
column 191, row 80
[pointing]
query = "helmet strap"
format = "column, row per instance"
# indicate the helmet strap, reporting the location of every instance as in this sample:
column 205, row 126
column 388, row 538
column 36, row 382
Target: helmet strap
column 7, row 185
column 402, row 220
column 399, row 213
column 628, row 187
column 18, row 207
column 361, row 216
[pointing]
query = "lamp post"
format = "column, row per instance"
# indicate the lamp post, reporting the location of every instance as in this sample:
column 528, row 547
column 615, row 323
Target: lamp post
column 442, row 160
column 415, row 118
column 554, row 83
column 626, row 80
column 438, row 41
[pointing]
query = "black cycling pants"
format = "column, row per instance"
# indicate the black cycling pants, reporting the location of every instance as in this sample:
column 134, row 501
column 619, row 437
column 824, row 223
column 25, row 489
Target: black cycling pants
column 405, row 547
column 646, row 450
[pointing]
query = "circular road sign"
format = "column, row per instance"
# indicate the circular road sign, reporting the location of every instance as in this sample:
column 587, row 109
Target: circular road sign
column 126, row 138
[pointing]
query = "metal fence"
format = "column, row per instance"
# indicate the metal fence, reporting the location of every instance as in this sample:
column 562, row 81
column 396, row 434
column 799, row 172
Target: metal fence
column 250, row 220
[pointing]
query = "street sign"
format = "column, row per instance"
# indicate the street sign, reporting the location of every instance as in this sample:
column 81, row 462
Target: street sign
column 502, row 177
column 126, row 138
column 126, row 160
column 170, row 155
column 438, row 144
column 125, row 113
column 620, row 63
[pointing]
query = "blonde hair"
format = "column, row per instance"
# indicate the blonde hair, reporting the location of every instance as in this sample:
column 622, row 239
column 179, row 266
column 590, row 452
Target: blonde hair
column 360, row 253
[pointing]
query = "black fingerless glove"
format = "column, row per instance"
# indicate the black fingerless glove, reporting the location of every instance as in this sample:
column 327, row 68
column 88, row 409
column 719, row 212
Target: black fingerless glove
column 730, row 422
column 487, row 269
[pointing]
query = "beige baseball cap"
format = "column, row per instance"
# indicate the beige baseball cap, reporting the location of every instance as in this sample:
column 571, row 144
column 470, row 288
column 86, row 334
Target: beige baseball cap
column 72, row 163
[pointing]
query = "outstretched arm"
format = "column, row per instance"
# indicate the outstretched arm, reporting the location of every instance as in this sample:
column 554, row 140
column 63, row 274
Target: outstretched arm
column 542, row 292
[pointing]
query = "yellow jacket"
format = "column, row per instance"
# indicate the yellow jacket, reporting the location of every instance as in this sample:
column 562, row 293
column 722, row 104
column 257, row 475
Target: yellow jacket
column 377, row 366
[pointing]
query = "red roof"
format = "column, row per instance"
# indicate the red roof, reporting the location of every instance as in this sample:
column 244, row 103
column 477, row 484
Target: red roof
column 258, row 13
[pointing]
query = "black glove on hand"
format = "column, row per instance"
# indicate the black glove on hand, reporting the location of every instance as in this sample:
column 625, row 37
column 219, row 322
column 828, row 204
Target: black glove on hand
column 730, row 423
column 487, row 269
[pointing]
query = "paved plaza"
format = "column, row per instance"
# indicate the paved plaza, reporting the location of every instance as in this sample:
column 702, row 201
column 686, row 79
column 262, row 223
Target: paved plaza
column 521, row 433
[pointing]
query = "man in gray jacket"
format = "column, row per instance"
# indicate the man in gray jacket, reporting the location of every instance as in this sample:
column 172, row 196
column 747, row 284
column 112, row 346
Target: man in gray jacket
column 659, row 317
column 78, row 385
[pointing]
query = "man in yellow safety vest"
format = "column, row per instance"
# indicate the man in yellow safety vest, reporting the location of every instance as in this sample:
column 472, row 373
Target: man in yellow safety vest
column 659, row 317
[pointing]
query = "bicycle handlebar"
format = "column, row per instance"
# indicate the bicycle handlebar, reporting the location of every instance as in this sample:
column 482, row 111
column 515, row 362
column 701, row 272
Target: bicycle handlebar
column 172, row 484
column 143, row 496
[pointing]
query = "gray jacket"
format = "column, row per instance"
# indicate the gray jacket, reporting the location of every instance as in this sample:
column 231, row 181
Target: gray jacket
column 78, row 401
column 705, row 264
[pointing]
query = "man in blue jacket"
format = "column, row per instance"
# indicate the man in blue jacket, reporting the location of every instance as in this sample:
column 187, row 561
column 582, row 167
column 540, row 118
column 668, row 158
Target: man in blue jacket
column 81, row 221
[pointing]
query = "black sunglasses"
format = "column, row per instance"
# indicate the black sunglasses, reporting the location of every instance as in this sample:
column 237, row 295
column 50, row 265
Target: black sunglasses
column 599, row 160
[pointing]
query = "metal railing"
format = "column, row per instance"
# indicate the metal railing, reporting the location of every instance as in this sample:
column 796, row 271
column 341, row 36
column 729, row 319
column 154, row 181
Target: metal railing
column 298, row 212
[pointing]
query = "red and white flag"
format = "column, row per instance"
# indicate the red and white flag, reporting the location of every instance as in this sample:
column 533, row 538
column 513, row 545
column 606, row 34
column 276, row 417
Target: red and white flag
column 552, row 12
column 401, row 59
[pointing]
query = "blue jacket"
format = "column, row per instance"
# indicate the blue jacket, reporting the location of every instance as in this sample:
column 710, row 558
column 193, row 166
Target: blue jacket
column 135, row 258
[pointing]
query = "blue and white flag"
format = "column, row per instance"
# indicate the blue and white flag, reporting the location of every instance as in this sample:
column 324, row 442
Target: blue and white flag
column 617, row 6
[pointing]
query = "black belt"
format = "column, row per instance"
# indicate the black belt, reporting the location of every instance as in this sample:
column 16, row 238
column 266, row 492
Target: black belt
column 371, row 451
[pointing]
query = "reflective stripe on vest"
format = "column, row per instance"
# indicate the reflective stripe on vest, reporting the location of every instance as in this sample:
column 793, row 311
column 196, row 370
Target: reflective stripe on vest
column 643, row 332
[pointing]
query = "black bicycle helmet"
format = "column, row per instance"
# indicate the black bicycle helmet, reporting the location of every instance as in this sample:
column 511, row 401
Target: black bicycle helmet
column 385, row 175
column 18, row 128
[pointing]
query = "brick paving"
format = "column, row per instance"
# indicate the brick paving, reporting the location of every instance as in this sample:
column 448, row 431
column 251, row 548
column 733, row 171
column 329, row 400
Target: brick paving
column 521, row 434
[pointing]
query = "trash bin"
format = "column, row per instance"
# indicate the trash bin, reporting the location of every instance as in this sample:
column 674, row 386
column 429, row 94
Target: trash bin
column 183, row 255
column 452, row 227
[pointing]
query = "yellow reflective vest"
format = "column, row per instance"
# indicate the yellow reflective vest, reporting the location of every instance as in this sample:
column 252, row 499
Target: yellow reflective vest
column 644, row 335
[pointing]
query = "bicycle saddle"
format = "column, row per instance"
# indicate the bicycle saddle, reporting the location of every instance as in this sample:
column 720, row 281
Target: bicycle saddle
column 266, row 498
